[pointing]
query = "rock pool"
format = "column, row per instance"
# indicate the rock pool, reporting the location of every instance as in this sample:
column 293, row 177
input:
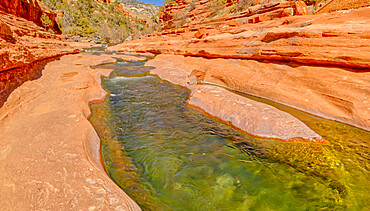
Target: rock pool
column 169, row 156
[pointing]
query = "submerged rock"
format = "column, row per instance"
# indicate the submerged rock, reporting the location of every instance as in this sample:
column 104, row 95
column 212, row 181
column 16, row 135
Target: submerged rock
column 250, row 116
column 330, row 92
column 316, row 63
column 255, row 118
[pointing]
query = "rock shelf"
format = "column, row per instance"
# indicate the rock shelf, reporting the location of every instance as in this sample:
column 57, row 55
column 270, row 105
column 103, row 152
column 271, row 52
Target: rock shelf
column 49, row 151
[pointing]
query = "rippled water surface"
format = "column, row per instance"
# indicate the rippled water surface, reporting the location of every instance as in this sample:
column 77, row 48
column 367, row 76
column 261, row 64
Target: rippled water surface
column 169, row 156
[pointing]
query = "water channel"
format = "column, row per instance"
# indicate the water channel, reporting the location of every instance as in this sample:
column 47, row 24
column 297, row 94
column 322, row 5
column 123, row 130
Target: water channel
column 169, row 156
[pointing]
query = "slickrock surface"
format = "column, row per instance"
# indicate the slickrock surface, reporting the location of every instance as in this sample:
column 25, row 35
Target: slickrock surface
column 335, row 39
column 258, row 119
column 49, row 152
column 329, row 92
column 316, row 63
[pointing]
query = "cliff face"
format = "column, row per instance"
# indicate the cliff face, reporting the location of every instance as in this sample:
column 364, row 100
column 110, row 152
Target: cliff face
column 273, row 49
column 31, row 10
column 139, row 9
column 24, row 44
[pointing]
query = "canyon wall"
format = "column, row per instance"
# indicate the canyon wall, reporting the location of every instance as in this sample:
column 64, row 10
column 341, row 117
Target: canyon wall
column 316, row 63
column 49, row 152
column 31, row 10
column 24, row 45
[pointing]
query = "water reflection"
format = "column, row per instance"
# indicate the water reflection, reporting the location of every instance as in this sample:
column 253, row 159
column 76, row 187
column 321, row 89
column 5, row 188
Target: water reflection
column 169, row 156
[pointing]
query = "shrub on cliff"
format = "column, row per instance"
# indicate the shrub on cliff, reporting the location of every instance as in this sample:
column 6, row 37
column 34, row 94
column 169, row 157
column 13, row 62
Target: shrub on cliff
column 90, row 18
column 45, row 20
column 216, row 6
column 242, row 5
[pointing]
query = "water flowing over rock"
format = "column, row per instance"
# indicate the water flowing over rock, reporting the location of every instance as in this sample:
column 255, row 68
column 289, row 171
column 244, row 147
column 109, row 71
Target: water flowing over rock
column 256, row 118
column 316, row 63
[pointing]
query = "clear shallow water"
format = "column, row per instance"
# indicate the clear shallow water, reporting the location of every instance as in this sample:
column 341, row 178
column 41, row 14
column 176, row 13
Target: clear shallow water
column 169, row 156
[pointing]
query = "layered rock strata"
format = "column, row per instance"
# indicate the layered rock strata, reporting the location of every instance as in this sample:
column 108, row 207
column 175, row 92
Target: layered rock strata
column 316, row 63
column 255, row 118
column 23, row 42
column 24, row 47
column 49, row 152
column 31, row 10
column 336, row 39
column 329, row 92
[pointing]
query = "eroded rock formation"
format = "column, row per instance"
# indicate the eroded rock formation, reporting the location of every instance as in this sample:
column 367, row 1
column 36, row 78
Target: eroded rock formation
column 316, row 63
column 49, row 152
column 31, row 10
column 23, row 47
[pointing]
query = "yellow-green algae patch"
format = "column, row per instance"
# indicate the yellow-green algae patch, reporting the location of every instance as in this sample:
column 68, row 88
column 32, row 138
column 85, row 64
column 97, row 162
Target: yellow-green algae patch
column 167, row 155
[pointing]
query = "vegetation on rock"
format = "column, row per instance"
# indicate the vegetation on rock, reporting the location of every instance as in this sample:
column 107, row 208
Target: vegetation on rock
column 94, row 19
column 46, row 22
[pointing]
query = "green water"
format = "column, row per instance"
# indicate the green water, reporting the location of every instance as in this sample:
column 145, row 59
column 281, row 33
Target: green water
column 169, row 156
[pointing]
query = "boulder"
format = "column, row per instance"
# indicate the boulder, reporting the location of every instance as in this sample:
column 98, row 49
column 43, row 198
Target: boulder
column 201, row 33
column 300, row 8
column 286, row 12
column 6, row 33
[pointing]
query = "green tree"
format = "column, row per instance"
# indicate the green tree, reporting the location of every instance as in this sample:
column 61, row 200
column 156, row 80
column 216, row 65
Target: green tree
column 45, row 20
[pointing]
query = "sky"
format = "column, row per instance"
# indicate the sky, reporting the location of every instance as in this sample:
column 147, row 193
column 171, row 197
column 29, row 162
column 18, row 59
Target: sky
column 156, row 2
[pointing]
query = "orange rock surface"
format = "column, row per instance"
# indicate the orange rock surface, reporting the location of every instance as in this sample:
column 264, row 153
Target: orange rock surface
column 23, row 42
column 49, row 151
column 329, row 92
column 316, row 63
column 256, row 118
column 24, row 47
column 31, row 10
column 335, row 39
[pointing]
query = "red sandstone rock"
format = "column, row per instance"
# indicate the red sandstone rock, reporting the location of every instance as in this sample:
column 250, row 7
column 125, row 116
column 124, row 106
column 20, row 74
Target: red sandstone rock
column 31, row 10
column 300, row 8
column 23, row 42
column 201, row 33
column 234, row 23
column 336, row 39
column 311, row 45
column 333, row 93
column 6, row 33
column 255, row 118
column 286, row 12
column 50, row 157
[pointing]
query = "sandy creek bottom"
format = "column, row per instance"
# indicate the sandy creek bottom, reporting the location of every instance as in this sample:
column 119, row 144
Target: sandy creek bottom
column 169, row 156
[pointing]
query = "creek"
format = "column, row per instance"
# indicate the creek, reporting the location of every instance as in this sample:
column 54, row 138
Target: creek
column 167, row 155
